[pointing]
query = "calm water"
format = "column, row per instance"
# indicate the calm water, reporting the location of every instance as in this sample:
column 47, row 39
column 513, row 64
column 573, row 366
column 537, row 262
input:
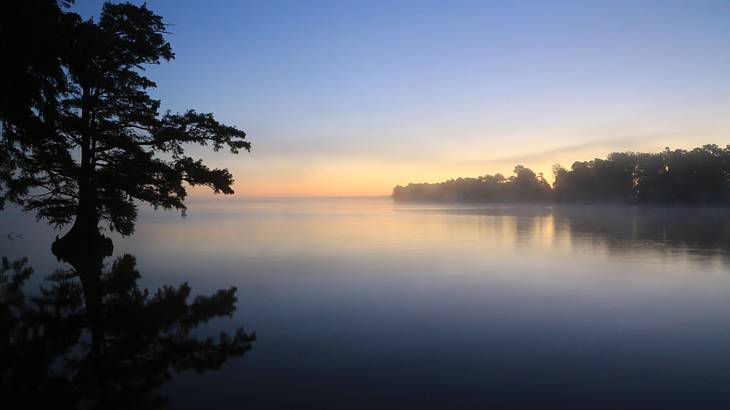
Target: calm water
column 361, row 303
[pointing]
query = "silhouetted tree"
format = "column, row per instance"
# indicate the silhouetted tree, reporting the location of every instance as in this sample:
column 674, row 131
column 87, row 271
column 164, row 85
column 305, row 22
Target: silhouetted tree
column 528, row 186
column 697, row 177
column 524, row 186
column 32, row 36
column 82, row 140
column 700, row 176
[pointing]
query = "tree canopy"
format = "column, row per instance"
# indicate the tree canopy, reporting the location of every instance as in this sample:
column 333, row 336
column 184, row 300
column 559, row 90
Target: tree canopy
column 524, row 186
column 700, row 176
column 81, row 138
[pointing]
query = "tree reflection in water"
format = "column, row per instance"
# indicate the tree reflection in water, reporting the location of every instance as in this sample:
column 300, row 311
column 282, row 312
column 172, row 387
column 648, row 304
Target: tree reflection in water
column 95, row 339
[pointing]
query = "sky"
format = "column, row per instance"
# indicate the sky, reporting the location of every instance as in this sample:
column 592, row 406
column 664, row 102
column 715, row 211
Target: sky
column 353, row 97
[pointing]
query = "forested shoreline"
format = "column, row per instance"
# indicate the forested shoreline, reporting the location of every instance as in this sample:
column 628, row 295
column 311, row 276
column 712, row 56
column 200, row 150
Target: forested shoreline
column 700, row 176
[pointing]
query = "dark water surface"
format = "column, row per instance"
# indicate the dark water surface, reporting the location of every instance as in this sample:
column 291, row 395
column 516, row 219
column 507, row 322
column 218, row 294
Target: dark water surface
column 362, row 303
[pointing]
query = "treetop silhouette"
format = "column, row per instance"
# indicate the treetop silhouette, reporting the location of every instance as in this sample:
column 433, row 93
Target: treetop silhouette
column 82, row 139
column 700, row 176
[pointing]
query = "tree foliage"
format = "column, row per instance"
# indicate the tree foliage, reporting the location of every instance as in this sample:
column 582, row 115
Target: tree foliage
column 523, row 186
column 700, row 176
column 82, row 139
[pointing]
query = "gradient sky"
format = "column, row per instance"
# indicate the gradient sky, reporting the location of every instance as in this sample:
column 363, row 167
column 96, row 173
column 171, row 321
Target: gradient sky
column 352, row 98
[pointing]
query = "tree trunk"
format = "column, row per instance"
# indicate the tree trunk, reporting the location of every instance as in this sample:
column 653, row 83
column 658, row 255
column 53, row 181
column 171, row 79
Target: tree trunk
column 83, row 246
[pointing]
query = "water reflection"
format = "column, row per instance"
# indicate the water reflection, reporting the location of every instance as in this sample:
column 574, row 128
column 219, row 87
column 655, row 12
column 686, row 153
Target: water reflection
column 366, row 304
column 619, row 229
column 92, row 338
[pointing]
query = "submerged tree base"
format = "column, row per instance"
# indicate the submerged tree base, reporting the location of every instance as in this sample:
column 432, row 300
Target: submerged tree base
column 78, row 249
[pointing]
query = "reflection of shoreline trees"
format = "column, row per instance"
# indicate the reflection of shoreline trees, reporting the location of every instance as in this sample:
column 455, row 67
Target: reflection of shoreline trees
column 673, row 228
column 57, row 350
column 697, row 177
column 619, row 227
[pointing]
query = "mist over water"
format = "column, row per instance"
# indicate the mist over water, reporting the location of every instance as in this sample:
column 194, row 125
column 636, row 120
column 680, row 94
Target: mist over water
column 364, row 303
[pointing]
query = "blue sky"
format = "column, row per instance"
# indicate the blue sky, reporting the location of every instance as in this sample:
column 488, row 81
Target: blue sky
column 347, row 98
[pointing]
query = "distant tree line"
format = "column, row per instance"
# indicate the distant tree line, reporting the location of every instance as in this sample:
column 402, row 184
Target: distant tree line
column 700, row 176
column 524, row 186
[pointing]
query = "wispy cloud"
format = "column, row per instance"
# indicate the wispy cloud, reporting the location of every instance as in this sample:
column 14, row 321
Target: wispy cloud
column 622, row 143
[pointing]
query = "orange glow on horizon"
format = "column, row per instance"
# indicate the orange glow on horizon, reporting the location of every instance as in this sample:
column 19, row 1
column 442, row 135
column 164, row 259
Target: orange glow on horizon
column 278, row 177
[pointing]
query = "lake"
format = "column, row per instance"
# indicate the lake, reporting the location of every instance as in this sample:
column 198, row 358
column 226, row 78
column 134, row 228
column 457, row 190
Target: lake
column 363, row 303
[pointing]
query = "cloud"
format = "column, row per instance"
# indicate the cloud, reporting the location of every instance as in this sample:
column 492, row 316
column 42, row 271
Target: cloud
column 623, row 143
